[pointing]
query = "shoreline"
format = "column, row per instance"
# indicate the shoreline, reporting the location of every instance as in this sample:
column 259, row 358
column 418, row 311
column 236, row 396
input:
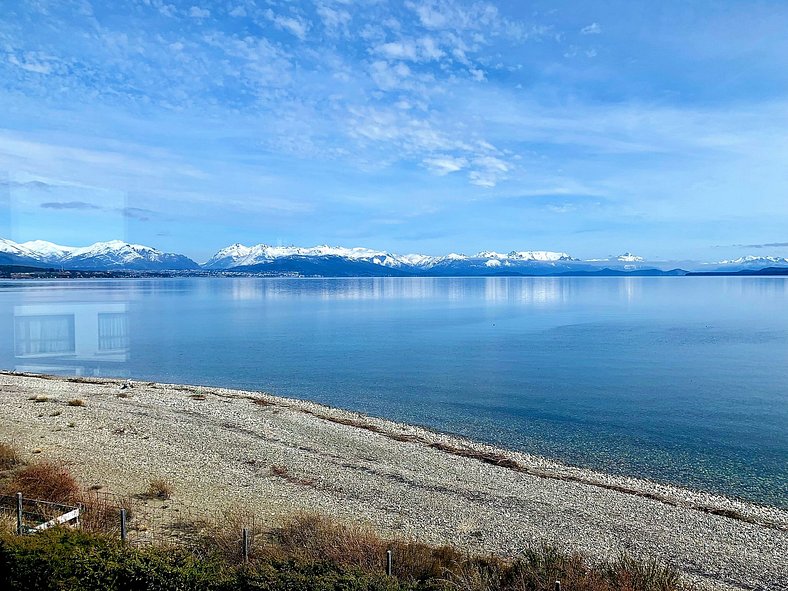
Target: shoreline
column 403, row 479
column 539, row 466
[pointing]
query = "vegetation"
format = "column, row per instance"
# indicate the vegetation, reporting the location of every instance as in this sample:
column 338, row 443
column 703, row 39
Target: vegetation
column 69, row 560
column 159, row 488
column 44, row 480
column 9, row 457
column 76, row 402
column 305, row 552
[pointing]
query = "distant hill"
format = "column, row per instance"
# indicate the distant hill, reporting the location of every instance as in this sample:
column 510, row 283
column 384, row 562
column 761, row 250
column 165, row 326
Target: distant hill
column 338, row 261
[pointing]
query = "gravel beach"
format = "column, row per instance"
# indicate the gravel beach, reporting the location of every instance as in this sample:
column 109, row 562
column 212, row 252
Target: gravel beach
column 218, row 446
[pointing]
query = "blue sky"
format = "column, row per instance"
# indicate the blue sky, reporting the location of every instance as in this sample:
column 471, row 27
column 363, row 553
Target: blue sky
column 586, row 127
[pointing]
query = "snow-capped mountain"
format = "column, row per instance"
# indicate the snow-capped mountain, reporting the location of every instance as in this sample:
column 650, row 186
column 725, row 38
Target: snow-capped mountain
column 754, row 262
column 12, row 253
column 101, row 256
column 238, row 255
column 340, row 261
column 365, row 261
column 627, row 257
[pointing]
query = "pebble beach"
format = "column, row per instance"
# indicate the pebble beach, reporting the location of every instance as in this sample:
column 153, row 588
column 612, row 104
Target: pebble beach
column 277, row 456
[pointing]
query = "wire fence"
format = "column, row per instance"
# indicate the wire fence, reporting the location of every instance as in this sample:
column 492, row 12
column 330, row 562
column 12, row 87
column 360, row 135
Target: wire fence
column 32, row 514
column 141, row 521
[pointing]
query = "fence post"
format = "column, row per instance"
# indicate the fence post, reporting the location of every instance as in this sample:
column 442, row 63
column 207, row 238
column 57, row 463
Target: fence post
column 123, row 525
column 558, row 586
column 388, row 562
column 245, row 543
column 19, row 513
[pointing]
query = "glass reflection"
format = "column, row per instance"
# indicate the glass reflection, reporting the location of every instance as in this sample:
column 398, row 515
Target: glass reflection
column 71, row 338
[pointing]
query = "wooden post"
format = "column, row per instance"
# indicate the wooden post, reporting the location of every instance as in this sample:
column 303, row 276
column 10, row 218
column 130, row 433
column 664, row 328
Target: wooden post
column 245, row 543
column 123, row 525
column 19, row 514
column 388, row 562
column 558, row 586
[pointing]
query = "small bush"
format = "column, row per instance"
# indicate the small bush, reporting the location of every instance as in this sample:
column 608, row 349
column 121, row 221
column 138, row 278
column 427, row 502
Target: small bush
column 48, row 481
column 314, row 538
column 626, row 572
column 159, row 488
column 76, row 402
column 101, row 513
column 9, row 457
column 222, row 537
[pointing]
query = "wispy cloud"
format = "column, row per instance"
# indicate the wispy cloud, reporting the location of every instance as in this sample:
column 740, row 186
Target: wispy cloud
column 35, row 185
column 137, row 213
column 69, row 205
column 592, row 29
column 291, row 24
column 198, row 12
column 275, row 110
column 765, row 245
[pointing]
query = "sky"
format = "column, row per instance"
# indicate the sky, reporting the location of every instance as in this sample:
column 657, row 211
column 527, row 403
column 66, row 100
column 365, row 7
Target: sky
column 587, row 127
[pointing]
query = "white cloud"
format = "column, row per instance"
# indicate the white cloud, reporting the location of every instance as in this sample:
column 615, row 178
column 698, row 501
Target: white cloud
column 32, row 62
column 477, row 74
column 197, row 12
column 238, row 11
column 429, row 49
column 488, row 171
column 293, row 25
column 333, row 19
column 389, row 76
column 449, row 14
column 444, row 165
column 398, row 50
column 592, row 29
column 424, row 49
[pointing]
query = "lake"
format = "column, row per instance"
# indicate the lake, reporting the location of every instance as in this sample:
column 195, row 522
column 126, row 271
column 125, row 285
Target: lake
column 675, row 379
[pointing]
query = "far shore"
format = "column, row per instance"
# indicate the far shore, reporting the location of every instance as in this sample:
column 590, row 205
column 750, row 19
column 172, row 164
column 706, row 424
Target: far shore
column 218, row 447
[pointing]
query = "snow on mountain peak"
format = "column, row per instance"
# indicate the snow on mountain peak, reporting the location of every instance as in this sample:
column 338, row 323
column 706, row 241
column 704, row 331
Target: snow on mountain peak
column 542, row 256
column 755, row 260
column 491, row 254
column 113, row 254
column 628, row 257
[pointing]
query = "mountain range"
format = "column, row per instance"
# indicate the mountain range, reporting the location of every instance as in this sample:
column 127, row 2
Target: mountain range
column 337, row 261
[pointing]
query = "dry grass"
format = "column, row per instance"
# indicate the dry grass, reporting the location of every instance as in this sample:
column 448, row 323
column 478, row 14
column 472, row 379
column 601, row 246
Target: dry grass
column 76, row 402
column 625, row 572
column 9, row 457
column 7, row 523
column 48, row 481
column 222, row 536
column 101, row 513
column 313, row 538
column 159, row 488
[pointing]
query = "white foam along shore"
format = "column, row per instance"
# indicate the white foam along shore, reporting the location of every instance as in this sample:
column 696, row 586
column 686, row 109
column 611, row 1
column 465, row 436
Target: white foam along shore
column 218, row 447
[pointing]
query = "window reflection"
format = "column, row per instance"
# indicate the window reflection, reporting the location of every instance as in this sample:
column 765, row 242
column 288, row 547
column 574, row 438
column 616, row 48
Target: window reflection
column 43, row 335
column 72, row 338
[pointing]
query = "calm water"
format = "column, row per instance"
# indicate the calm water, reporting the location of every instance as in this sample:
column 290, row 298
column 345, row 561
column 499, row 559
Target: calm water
column 682, row 380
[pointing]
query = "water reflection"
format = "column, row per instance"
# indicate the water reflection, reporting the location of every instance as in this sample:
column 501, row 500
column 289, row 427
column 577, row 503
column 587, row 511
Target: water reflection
column 71, row 338
column 537, row 290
